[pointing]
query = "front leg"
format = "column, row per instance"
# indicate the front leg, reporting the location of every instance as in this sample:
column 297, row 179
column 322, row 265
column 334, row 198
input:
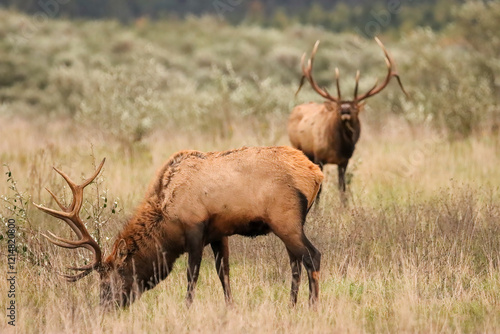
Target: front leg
column 195, row 251
column 221, row 254
column 342, row 168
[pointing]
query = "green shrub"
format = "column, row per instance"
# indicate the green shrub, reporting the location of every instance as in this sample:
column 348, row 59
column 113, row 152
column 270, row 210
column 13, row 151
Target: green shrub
column 202, row 74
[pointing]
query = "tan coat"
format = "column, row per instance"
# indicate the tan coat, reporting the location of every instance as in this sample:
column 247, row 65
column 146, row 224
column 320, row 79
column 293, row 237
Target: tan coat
column 202, row 198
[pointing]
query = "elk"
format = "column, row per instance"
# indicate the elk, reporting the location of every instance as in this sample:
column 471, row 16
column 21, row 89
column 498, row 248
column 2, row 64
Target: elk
column 328, row 132
column 198, row 199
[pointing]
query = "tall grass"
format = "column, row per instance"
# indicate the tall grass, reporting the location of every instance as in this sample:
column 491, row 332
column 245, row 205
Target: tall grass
column 416, row 253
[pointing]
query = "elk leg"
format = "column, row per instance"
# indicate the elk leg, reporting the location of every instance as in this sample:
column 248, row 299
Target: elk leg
column 303, row 251
column 312, row 262
column 320, row 164
column 296, row 266
column 221, row 254
column 318, row 194
column 287, row 223
column 195, row 251
column 342, row 168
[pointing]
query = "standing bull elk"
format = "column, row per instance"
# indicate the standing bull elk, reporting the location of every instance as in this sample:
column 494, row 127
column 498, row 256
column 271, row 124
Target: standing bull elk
column 327, row 132
column 199, row 199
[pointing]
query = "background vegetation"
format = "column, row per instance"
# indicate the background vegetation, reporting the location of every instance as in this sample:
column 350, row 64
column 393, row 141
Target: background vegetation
column 416, row 249
column 203, row 74
column 337, row 15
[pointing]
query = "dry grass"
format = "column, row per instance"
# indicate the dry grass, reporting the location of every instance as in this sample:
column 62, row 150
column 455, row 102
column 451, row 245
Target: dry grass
column 416, row 250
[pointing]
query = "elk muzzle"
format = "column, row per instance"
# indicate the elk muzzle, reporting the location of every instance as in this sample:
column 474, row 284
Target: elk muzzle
column 345, row 112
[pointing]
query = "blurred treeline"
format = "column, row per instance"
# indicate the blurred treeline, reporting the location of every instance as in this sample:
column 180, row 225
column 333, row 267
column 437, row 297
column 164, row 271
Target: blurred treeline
column 205, row 75
column 336, row 15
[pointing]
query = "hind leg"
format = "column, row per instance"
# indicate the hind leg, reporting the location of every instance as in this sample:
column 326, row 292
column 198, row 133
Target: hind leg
column 320, row 164
column 287, row 224
column 303, row 251
column 312, row 262
column 296, row 266
column 221, row 254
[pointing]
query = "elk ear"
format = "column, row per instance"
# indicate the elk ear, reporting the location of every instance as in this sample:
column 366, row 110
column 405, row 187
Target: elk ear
column 121, row 251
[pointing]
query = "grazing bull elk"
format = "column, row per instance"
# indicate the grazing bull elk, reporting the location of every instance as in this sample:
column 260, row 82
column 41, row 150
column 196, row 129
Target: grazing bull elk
column 198, row 199
column 327, row 132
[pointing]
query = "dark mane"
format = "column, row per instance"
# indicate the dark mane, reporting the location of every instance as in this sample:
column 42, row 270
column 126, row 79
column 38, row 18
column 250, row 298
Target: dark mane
column 170, row 168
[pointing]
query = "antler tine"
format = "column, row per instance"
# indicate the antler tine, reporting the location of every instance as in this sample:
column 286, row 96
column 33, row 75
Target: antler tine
column 76, row 189
column 70, row 215
column 90, row 179
column 302, row 59
column 84, row 268
column 356, row 86
column 72, row 185
column 85, row 183
column 389, row 62
column 307, row 73
column 65, row 243
column 337, row 78
column 315, row 49
column 74, row 278
column 371, row 89
column 84, row 242
column 61, row 215
column 302, row 80
column 326, row 90
column 379, row 42
column 66, row 216
column 309, row 66
column 303, row 76
column 401, row 85
column 64, row 208
column 57, row 243
column 54, row 213
column 390, row 73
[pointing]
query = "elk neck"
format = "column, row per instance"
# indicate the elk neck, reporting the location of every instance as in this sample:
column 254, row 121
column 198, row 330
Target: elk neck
column 151, row 244
column 345, row 135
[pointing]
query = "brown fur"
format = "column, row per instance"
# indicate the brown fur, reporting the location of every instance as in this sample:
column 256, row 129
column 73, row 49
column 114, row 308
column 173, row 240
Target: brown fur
column 327, row 133
column 202, row 198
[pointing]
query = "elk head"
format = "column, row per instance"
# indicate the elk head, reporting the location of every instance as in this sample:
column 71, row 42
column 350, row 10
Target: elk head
column 114, row 287
column 348, row 109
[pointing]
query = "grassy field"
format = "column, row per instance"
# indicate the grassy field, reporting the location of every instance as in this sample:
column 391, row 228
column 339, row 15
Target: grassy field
column 416, row 249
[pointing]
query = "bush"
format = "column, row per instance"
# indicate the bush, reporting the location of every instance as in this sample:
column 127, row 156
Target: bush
column 450, row 86
column 202, row 74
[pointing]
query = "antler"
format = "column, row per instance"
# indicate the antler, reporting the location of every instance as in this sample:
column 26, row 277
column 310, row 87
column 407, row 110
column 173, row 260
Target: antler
column 71, row 216
column 307, row 74
column 390, row 73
